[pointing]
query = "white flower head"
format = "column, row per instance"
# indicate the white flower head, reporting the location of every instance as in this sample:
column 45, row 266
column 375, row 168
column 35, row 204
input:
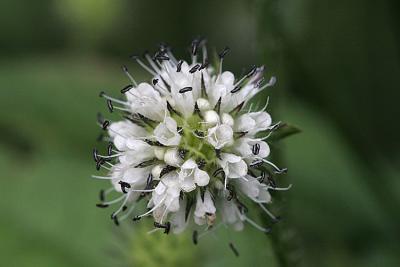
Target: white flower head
column 189, row 145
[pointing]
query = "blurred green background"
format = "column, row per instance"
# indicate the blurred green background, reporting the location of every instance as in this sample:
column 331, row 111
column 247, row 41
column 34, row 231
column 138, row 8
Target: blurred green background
column 338, row 69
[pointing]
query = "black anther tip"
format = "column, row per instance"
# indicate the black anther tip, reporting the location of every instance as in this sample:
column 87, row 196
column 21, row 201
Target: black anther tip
column 185, row 89
column 223, row 53
column 101, row 205
column 195, row 237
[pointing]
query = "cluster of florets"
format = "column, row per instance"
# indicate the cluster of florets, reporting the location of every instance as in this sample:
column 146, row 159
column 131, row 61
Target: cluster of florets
column 187, row 147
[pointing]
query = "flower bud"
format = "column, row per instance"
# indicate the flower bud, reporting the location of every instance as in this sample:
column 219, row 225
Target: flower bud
column 211, row 117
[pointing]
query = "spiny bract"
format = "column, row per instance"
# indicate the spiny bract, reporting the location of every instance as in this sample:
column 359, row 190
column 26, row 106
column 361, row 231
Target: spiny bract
column 186, row 146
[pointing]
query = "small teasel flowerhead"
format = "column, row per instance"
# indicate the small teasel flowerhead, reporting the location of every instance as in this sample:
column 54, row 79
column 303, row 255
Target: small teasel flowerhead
column 189, row 150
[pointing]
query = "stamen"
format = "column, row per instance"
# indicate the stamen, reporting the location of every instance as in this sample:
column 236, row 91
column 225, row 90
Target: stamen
column 255, row 225
column 277, row 169
column 194, row 68
column 102, row 195
column 185, row 89
column 171, row 109
column 126, row 88
column 218, row 172
column 237, row 108
column 182, row 153
column 273, row 217
column 115, row 219
column 217, row 107
column 110, row 105
column 144, row 66
column 101, row 205
column 166, row 170
column 166, row 226
column 195, row 237
column 256, row 163
column 179, row 66
column 256, row 149
column 109, row 149
column 223, row 53
column 105, row 124
column 95, row 155
column 125, row 69
column 201, row 164
column 124, row 185
column 234, row 250
column 195, row 45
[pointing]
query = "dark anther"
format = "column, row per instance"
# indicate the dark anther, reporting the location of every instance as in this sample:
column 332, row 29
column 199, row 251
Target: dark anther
column 263, row 175
column 194, row 68
column 199, row 133
column 109, row 149
column 218, row 153
column 124, row 68
column 239, row 134
column 194, row 237
column 256, row 163
column 95, row 156
column 171, row 109
column 202, row 193
column 155, row 81
column 101, row 205
column 185, row 89
column 124, row 185
column 232, row 193
column 102, row 195
column 179, row 129
column 281, row 171
column 182, row 153
column 179, row 66
column 237, row 108
column 161, row 57
column 236, row 89
column 218, row 172
column 165, row 83
column 126, row 88
column 166, row 226
column 110, row 105
column 99, row 163
column 105, row 125
column 234, row 250
column 124, row 208
column 146, row 163
column 166, row 170
column 115, row 219
column 259, row 82
column 251, row 71
column 195, row 45
column 149, row 181
column 153, row 143
column 204, row 65
column 196, row 108
column 101, row 94
column 276, row 220
column 224, row 52
column 136, row 218
column 256, row 148
column 218, row 105
column 201, row 163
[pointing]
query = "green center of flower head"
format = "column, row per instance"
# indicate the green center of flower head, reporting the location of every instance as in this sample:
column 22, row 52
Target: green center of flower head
column 187, row 147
